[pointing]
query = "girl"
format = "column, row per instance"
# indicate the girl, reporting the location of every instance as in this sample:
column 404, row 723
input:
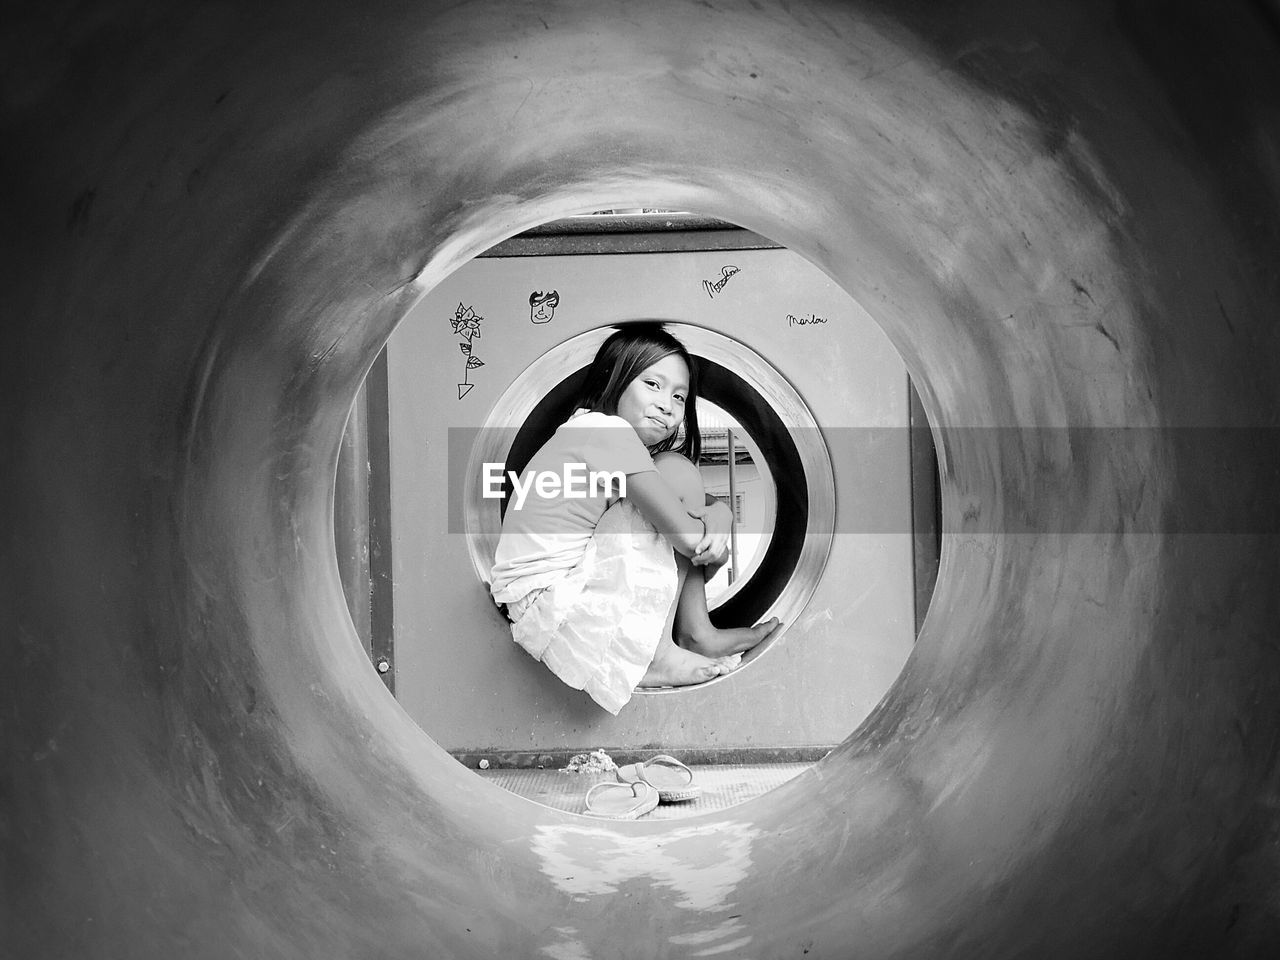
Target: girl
column 609, row 591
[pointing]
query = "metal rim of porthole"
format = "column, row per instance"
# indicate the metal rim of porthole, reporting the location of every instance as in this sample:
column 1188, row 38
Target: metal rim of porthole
column 744, row 384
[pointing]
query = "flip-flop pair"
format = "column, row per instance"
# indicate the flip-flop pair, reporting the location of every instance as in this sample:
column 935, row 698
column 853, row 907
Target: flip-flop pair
column 671, row 778
column 640, row 787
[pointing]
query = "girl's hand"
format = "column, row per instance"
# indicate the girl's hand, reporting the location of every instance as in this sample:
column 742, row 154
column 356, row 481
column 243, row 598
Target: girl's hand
column 713, row 548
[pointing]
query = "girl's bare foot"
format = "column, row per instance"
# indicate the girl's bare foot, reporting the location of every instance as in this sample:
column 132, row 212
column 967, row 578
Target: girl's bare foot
column 713, row 642
column 674, row 666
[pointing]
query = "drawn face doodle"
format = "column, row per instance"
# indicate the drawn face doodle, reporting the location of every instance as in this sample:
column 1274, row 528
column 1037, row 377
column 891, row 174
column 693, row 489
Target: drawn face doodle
column 542, row 306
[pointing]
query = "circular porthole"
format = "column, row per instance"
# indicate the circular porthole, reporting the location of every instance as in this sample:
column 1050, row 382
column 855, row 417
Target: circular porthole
column 738, row 381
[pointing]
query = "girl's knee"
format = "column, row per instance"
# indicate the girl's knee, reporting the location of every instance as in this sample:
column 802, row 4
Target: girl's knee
column 671, row 457
column 683, row 477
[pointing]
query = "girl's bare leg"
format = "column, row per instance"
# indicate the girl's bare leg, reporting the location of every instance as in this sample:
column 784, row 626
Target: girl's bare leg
column 693, row 629
column 675, row 666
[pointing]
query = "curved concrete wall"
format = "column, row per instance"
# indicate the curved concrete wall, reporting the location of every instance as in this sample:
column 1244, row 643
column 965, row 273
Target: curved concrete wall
column 1063, row 215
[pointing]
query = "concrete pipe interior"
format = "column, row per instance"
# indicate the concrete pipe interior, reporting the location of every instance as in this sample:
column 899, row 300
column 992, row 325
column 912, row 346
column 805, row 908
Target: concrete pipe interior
column 1063, row 216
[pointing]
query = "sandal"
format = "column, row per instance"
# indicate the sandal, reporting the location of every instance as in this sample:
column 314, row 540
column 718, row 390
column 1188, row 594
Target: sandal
column 671, row 778
column 620, row 801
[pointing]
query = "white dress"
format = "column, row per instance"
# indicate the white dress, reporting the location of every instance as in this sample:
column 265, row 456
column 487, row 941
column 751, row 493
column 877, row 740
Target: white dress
column 588, row 584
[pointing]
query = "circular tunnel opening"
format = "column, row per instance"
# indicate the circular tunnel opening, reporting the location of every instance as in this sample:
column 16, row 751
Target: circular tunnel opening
column 504, row 417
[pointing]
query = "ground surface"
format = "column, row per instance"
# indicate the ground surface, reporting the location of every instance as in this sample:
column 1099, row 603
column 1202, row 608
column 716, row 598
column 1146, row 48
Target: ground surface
column 723, row 786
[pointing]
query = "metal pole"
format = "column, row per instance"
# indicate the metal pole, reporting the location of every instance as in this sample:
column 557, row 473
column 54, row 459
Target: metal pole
column 733, row 511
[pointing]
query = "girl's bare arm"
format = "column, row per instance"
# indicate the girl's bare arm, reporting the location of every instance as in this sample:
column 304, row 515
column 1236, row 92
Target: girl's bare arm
column 662, row 504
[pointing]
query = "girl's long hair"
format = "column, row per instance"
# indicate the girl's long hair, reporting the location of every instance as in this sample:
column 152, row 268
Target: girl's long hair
column 627, row 353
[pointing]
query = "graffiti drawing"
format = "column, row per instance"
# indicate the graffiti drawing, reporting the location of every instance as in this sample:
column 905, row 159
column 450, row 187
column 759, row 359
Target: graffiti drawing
column 804, row 320
column 713, row 288
column 466, row 324
column 542, row 306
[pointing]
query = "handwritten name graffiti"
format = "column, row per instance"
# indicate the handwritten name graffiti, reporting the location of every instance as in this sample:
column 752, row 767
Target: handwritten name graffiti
column 542, row 306
column 466, row 324
column 804, row 319
column 714, row 288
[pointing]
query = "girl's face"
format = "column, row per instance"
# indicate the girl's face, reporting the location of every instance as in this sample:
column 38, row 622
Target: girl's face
column 653, row 403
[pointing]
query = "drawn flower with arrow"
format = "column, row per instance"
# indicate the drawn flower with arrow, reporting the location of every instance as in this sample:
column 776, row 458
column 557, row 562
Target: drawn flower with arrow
column 466, row 324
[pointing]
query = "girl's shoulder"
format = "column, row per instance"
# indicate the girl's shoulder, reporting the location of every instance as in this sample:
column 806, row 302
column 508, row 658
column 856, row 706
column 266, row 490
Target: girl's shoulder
column 594, row 418
column 603, row 432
